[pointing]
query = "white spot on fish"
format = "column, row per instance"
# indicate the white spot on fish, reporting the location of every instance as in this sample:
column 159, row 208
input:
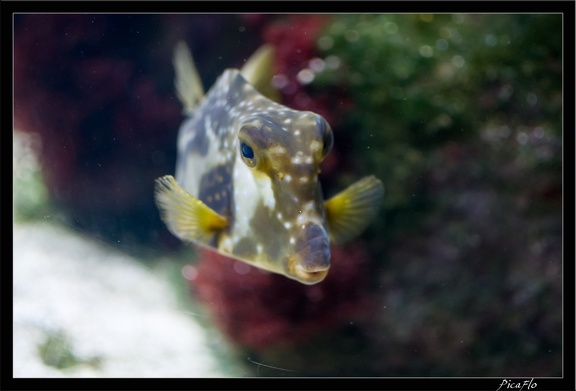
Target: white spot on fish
column 292, row 240
column 315, row 146
column 278, row 150
column 287, row 225
column 245, row 200
column 308, row 215
column 226, row 244
column 267, row 195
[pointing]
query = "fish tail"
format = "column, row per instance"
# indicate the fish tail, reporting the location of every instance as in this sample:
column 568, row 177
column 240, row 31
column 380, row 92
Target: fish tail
column 188, row 84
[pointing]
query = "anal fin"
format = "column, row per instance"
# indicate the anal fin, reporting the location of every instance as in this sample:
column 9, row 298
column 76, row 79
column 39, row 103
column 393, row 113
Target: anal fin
column 186, row 216
column 350, row 211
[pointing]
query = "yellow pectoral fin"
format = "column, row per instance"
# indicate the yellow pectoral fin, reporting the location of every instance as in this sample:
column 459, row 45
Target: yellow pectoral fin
column 351, row 210
column 186, row 216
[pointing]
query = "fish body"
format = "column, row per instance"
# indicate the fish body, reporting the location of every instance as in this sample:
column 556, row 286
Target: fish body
column 246, row 181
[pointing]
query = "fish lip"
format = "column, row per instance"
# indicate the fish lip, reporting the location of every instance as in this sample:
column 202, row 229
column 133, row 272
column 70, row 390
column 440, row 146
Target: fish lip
column 310, row 260
column 308, row 276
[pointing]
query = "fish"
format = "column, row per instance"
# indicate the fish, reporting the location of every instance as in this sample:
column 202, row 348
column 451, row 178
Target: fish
column 246, row 178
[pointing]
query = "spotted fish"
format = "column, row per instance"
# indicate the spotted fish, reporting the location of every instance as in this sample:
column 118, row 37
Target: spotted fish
column 246, row 181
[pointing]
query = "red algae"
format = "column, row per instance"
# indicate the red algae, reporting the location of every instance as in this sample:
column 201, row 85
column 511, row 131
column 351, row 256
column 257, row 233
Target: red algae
column 258, row 309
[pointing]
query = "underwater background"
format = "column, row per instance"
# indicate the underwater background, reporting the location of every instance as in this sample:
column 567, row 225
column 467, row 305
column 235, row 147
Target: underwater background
column 459, row 115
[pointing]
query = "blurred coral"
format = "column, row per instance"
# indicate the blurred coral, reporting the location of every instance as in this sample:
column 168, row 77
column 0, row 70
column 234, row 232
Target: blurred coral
column 460, row 274
column 98, row 90
column 106, row 127
column 260, row 310
column 295, row 41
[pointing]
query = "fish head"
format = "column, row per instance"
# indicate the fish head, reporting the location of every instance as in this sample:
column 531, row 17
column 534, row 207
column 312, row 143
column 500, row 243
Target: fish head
column 283, row 154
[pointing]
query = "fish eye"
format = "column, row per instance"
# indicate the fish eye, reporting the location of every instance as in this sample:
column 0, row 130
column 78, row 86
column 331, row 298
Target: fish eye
column 247, row 154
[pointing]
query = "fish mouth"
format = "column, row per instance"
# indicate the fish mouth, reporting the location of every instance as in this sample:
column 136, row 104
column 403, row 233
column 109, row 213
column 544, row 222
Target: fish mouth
column 309, row 277
column 311, row 259
column 303, row 275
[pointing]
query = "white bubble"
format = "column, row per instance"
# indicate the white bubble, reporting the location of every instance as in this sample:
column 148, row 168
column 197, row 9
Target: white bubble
column 522, row 138
column 426, row 51
column 305, row 76
column 538, row 132
column 458, row 61
column 459, row 18
column 280, row 81
column 446, row 32
column 391, row 28
column 189, row 272
column 503, row 131
column 241, row 268
column 442, row 44
column 490, row 40
column 532, row 99
column 426, row 17
column 351, row 35
column 506, row 92
column 325, row 43
column 333, row 62
column 317, row 65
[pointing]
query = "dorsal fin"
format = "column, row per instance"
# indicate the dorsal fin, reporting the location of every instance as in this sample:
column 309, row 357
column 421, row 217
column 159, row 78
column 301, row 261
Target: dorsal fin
column 188, row 84
column 259, row 70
